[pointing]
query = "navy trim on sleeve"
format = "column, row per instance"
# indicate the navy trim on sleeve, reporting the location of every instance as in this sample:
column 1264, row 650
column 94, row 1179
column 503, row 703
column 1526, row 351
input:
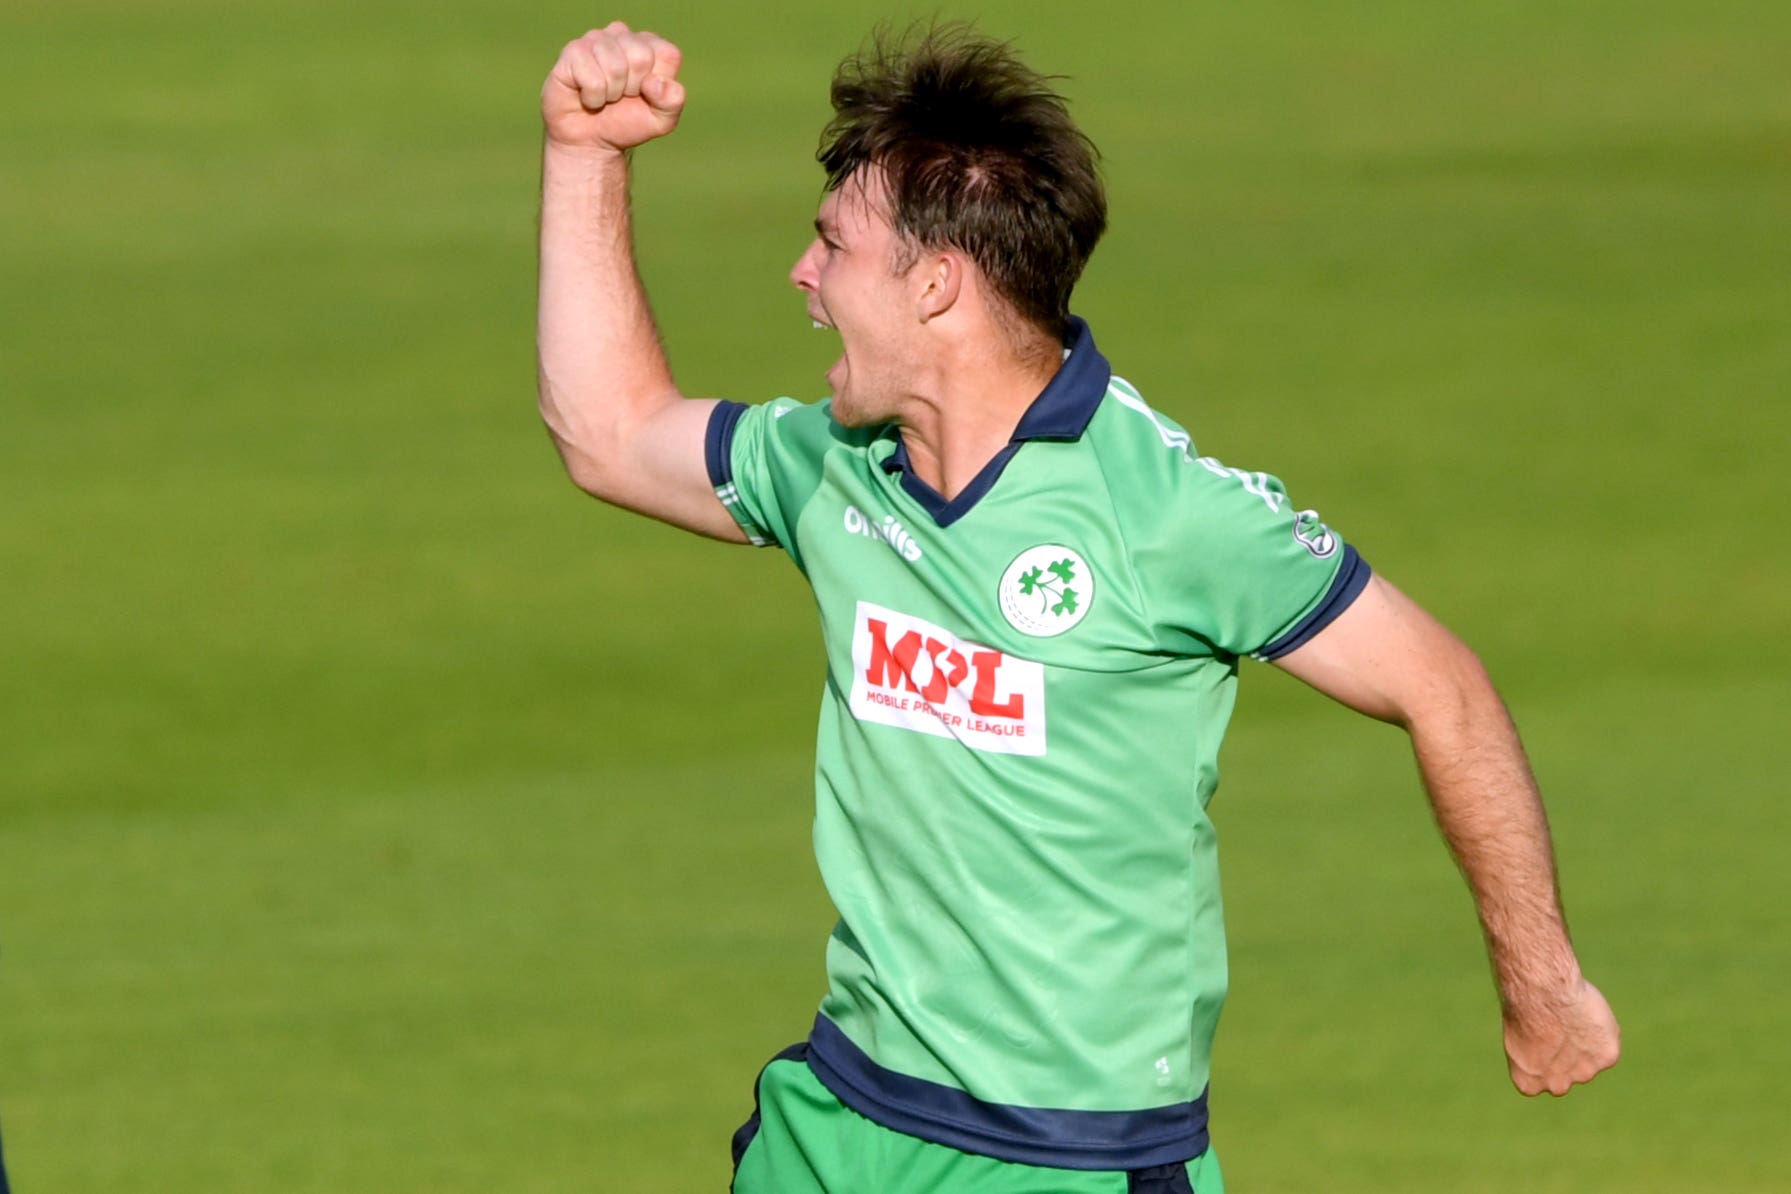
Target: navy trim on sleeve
column 718, row 445
column 1062, row 1139
column 1352, row 577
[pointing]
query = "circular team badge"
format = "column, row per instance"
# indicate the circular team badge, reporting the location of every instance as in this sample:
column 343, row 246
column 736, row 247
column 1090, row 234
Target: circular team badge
column 1046, row 590
column 1314, row 535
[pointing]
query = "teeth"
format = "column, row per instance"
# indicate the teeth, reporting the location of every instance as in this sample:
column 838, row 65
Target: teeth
column 817, row 323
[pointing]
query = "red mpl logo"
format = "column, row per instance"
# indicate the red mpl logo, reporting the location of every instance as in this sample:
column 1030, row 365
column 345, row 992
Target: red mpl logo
column 913, row 675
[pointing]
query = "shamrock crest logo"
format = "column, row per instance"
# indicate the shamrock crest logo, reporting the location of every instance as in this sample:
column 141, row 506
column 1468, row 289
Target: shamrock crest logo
column 1046, row 590
column 1033, row 581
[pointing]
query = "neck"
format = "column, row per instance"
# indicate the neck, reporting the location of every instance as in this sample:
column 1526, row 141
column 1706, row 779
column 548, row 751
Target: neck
column 965, row 412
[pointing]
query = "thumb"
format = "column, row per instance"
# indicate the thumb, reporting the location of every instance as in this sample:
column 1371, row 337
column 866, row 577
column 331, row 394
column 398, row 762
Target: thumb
column 662, row 94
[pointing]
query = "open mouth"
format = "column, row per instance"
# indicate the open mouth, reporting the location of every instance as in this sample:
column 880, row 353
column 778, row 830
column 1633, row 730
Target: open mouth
column 837, row 371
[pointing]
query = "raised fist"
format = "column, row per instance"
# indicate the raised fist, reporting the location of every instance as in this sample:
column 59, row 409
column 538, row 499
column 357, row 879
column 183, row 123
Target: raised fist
column 614, row 89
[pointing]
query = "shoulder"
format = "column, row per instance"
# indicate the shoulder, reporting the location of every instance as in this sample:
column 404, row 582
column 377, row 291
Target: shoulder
column 767, row 461
column 780, row 429
column 1219, row 550
column 1155, row 468
column 789, row 421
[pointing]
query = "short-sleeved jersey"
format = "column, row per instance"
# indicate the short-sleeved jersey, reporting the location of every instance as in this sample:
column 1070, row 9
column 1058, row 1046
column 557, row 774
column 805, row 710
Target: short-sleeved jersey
column 1026, row 689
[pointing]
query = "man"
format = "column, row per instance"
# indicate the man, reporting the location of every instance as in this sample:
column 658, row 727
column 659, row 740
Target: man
column 1034, row 596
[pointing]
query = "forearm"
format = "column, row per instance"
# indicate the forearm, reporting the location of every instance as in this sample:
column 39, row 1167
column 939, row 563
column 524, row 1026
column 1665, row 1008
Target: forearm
column 1490, row 813
column 601, row 368
column 1389, row 659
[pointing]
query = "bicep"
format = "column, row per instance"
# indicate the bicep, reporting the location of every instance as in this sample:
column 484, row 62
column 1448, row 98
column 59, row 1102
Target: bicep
column 660, row 470
column 1386, row 657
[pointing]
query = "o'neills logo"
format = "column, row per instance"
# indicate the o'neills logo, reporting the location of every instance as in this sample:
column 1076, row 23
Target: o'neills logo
column 889, row 530
column 917, row 676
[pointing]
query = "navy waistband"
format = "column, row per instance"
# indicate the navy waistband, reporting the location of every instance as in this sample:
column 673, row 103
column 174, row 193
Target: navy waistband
column 1059, row 1138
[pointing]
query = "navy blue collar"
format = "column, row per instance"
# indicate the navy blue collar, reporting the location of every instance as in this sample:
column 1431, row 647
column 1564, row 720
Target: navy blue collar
column 1061, row 412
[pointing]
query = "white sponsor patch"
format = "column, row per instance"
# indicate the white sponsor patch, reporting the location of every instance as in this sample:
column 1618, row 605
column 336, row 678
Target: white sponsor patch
column 914, row 675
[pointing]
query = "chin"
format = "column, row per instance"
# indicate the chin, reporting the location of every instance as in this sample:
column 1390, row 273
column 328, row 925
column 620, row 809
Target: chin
column 854, row 419
column 859, row 406
column 850, row 410
column 845, row 414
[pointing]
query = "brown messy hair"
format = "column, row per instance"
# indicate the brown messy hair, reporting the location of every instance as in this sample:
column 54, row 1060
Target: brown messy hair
column 979, row 154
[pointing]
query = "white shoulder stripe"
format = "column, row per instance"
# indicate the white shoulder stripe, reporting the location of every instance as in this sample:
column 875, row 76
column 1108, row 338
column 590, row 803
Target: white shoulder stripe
column 730, row 497
column 1131, row 400
column 1260, row 484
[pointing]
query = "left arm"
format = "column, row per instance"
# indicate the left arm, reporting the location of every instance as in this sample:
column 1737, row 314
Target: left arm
column 1386, row 657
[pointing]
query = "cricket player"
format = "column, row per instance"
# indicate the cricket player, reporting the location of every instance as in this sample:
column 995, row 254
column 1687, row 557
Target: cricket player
column 1034, row 595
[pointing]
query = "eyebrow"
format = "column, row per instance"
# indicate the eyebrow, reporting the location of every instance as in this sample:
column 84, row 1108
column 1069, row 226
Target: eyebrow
column 823, row 229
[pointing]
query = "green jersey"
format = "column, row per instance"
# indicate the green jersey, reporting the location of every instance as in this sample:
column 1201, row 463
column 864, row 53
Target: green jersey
column 1026, row 689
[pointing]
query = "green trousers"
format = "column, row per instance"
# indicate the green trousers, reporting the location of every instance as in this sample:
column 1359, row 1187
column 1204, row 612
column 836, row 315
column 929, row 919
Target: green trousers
column 803, row 1141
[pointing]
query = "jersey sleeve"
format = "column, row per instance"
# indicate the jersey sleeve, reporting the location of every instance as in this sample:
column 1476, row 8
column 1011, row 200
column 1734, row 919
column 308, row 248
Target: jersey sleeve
column 765, row 463
column 1247, row 570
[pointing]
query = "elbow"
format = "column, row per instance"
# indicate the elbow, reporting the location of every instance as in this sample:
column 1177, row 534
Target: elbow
column 586, row 447
column 1460, row 694
column 1471, row 681
column 603, row 438
column 585, row 470
column 584, row 474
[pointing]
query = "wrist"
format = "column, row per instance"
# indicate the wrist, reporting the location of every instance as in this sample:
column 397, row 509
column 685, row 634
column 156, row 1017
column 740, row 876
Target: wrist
column 582, row 155
column 1541, row 993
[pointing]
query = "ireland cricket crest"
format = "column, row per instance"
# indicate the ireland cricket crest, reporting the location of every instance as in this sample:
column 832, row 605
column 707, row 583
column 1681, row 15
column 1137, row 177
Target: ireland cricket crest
column 1046, row 590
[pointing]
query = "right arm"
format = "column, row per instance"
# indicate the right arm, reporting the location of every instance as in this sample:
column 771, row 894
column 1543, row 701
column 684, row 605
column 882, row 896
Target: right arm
column 1386, row 657
column 624, row 431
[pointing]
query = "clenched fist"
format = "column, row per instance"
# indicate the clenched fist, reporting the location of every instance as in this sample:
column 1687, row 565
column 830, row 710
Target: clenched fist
column 613, row 89
column 1552, row 1048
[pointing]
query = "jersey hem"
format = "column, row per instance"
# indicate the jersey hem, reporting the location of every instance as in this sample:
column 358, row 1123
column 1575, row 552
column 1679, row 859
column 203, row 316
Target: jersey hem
column 1058, row 1138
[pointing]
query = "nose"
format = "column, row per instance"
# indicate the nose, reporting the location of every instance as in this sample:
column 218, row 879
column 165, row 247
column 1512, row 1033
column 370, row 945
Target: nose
column 805, row 275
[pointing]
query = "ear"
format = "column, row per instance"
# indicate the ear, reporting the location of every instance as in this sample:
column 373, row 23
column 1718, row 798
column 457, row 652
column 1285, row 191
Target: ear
column 941, row 277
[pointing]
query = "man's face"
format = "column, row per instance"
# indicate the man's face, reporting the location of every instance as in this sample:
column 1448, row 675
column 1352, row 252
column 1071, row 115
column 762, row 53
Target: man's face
column 848, row 278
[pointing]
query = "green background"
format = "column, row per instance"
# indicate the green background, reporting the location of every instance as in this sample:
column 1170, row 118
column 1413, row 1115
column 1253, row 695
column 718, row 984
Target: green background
column 377, row 814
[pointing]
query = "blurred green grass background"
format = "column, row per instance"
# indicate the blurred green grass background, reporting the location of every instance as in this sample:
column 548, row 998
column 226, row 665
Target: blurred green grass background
column 378, row 815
